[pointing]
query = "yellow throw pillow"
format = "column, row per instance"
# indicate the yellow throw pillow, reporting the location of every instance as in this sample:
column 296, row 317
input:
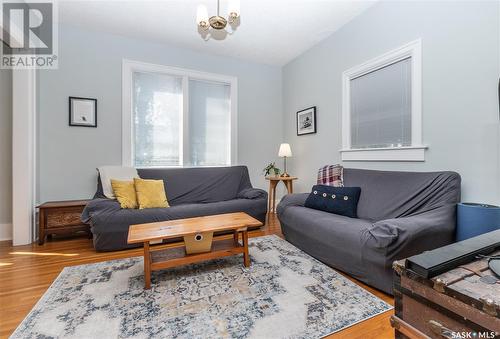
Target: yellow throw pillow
column 150, row 193
column 124, row 192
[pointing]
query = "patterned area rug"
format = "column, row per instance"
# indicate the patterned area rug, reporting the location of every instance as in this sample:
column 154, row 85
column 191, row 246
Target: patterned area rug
column 285, row 293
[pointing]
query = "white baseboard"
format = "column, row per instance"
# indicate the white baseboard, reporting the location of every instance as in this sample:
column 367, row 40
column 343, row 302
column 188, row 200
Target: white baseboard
column 5, row 232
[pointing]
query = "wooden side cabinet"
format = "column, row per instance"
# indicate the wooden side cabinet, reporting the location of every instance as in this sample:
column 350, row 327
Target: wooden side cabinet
column 61, row 217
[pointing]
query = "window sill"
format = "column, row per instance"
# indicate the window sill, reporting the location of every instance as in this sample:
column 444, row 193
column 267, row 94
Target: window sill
column 411, row 153
column 181, row 166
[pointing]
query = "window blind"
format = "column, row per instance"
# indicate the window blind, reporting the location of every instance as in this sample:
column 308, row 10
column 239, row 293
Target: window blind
column 381, row 107
column 209, row 123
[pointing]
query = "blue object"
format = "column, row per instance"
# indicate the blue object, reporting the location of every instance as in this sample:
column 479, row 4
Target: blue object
column 476, row 219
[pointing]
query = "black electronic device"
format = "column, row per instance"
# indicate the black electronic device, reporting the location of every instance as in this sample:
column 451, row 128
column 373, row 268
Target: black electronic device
column 431, row 263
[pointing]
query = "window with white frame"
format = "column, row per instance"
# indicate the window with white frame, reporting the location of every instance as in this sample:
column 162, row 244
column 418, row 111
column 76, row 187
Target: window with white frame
column 381, row 108
column 175, row 117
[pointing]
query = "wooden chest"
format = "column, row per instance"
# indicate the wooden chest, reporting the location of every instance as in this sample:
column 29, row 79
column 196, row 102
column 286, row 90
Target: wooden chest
column 461, row 303
column 57, row 217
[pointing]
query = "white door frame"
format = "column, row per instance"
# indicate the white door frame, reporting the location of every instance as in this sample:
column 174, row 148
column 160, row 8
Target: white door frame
column 23, row 156
column 24, row 112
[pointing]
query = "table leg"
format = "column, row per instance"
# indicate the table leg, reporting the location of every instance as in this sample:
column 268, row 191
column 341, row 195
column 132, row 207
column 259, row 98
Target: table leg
column 270, row 196
column 147, row 266
column 274, row 196
column 236, row 237
column 246, row 256
column 41, row 227
column 290, row 187
column 272, row 199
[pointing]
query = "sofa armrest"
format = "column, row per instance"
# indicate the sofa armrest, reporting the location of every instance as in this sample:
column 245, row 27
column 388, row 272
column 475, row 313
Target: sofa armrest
column 96, row 206
column 252, row 193
column 288, row 200
column 403, row 237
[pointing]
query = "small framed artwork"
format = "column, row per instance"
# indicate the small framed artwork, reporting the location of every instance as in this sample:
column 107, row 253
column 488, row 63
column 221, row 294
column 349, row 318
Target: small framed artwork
column 306, row 121
column 82, row 112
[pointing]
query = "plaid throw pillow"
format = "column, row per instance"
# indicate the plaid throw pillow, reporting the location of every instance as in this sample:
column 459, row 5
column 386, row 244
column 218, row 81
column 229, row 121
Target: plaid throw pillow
column 331, row 175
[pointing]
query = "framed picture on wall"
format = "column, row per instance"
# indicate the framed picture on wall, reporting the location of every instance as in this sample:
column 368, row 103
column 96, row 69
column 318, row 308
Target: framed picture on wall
column 306, row 121
column 82, row 112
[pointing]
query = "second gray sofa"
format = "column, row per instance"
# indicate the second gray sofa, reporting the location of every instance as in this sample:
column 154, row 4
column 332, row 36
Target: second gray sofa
column 191, row 192
column 400, row 214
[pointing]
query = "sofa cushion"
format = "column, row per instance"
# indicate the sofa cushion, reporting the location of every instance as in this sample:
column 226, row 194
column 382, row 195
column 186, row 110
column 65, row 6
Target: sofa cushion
column 105, row 215
column 200, row 185
column 331, row 238
column 109, row 223
column 338, row 200
column 388, row 194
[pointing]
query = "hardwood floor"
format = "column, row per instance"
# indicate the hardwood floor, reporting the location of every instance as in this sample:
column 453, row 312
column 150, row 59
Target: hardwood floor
column 27, row 271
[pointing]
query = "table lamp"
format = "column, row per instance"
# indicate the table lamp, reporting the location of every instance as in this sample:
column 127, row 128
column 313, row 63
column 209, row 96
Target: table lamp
column 284, row 152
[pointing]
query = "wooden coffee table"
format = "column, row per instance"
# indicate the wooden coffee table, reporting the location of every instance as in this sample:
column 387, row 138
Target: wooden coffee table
column 157, row 259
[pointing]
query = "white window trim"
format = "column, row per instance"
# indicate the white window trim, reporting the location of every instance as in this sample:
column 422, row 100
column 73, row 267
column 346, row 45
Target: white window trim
column 130, row 66
column 415, row 152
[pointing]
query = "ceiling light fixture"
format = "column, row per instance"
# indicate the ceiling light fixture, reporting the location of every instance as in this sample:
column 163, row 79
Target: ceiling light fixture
column 218, row 22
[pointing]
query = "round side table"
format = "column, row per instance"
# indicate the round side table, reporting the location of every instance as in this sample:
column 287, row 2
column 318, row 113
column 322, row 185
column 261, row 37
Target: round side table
column 273, row 182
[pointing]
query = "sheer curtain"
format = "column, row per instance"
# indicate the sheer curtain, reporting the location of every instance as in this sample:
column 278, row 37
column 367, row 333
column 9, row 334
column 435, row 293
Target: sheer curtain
column 209, row 123
column 161, row 138
column 381, row 107
column 157, row 119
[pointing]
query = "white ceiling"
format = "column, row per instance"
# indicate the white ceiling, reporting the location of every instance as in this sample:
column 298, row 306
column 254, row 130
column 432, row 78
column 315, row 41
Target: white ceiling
column 270, row 31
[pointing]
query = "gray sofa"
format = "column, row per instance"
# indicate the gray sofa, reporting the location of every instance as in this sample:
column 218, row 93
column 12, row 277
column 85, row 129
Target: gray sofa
column 400, row 214
column 191, row 192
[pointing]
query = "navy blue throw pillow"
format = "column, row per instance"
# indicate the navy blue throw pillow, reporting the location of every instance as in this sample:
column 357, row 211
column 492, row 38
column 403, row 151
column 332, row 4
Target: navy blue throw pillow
column 338, row 200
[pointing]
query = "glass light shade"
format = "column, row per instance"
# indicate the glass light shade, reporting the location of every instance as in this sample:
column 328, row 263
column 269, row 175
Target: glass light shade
column 234, row 8
column 202, row 15
column 285, row 151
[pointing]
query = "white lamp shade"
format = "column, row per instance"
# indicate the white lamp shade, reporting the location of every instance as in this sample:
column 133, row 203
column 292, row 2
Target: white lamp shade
column 285, row 151
column 202, row 15
column 234, row 8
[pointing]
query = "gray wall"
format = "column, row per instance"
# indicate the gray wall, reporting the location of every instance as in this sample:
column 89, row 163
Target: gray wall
column 90, row 65
column 460, row 42
column 5, row 148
